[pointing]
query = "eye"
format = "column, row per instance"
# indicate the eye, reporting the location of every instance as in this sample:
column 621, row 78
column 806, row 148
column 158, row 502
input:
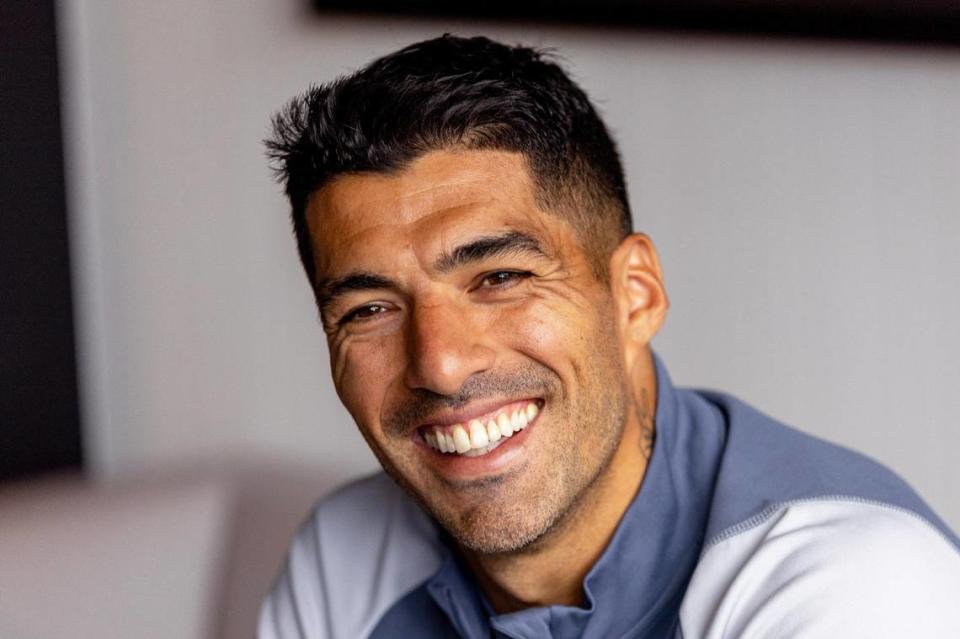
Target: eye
column 502, row 279
column 363, row 313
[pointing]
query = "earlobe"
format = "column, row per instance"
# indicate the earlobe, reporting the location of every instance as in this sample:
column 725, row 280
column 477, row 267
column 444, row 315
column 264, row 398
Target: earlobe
column 638, row 290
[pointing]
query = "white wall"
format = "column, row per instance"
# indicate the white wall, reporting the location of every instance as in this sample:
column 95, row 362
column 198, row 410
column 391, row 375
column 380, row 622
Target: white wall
column 804, row 197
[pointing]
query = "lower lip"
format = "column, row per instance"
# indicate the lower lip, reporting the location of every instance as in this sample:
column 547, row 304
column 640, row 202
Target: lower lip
column 463, row 468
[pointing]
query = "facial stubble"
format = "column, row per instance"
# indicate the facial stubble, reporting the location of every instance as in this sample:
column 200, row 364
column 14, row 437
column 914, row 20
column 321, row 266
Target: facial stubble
column 519, row 510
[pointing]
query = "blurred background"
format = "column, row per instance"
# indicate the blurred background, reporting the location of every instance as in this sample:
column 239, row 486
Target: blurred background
column 166, row 412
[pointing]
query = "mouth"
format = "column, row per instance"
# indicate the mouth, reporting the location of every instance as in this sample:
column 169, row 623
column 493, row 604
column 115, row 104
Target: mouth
column 481, row 434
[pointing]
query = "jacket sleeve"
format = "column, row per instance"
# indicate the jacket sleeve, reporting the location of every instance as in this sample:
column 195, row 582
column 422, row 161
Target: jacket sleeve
column 821, row 570
column 296, row 607
column 358, row 554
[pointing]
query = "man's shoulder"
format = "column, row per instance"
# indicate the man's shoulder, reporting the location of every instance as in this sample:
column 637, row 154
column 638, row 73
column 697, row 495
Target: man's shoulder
column 366, row 513
column 806, row 538
column 360, row 500
column 826, row 567
column 362, row 549
column 766, row 463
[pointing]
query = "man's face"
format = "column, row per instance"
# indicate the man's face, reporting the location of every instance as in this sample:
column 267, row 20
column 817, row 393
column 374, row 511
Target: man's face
column 457, row 311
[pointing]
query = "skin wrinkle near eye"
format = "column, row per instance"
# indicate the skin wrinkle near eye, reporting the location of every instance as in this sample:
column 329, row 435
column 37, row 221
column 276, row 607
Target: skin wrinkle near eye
column 512, row 242
column 331, row 325
column 543, row 281
column 330, row 291
column 500, row 284
column 543, row 287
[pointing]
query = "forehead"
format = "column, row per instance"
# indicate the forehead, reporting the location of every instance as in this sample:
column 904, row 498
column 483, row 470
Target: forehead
column 439, row 200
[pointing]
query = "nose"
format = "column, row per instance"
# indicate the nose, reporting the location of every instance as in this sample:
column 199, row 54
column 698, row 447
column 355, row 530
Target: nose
column 444, row 348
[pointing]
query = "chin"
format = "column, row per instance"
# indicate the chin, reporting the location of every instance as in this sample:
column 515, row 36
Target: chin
column 487, row 531
column 492, row 528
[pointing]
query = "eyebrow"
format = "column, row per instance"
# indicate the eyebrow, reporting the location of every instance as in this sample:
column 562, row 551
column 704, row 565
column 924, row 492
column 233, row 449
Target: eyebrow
column 473, row 251
column 489, row 246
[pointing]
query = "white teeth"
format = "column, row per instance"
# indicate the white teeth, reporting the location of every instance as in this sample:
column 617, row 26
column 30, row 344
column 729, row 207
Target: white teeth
column 493, row 431
column 451, row 443
column 478, row 434
column 477, row 452
column 506, row 428
column 477, row 438
column 446, row 443
column 460, row 439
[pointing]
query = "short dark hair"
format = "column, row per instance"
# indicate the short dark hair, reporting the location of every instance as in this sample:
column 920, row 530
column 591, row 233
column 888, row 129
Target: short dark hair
column 447, row 93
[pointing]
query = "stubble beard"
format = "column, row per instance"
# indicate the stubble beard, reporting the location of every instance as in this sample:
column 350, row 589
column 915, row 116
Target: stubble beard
column 520, row 515
column 518, row 521
column 519, row 511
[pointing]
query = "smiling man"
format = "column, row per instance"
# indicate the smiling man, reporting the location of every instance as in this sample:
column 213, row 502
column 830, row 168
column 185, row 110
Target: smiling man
column 461, row 214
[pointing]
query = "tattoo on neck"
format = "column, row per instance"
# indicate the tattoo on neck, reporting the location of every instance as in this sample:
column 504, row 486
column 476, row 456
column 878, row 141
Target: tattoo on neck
column 648, row 433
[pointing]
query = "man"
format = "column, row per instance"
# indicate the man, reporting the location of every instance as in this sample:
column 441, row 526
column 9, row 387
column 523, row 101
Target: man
column 461, row 213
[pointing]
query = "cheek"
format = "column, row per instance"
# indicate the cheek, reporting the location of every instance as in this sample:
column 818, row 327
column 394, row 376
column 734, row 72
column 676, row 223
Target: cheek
column 536, row 332
column 574, row 338
column 362, row 374
column 553, row 335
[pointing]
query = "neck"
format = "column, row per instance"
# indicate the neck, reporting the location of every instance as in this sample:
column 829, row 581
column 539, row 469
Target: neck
column 551, row 572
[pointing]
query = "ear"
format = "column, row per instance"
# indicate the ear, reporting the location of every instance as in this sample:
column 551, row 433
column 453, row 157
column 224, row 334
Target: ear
column 640, row 298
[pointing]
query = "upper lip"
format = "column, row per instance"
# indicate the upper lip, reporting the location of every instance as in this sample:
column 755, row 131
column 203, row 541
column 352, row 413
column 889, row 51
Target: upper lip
column 472, row 411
